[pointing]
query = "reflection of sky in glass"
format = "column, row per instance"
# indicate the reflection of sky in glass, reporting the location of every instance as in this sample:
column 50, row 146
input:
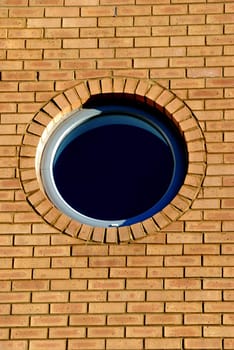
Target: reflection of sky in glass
column 114, row 172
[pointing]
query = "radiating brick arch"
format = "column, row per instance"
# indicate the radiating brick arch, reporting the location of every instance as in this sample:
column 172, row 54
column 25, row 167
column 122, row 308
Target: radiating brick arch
column 72, row 99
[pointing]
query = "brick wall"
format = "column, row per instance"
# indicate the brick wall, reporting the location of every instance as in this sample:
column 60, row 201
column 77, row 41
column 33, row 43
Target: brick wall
column 169, row 290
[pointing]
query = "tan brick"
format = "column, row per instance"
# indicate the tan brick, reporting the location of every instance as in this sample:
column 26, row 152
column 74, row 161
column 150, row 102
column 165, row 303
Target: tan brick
column 67, row 332
column 202, row 272
column 143, row 331
column 31, row 262
column 214, row 331
column 126, row 296
column 125, row 319
column 24, row 333
column 130, row 344
column 82, row 296
column 228, row 343
column 127, row 272
column 87, row 320
column 106, row 261
column 182, row 261
column 163, row 343
column 203, row 295
column 14, row 297
column 218, row 260
column 29, row 285
column 183, row 307
column 108, row 332
column 169, row 10
column 47, row 344
column 186, row 283
column 188, row 19
column 139, row 307
column 166, row 295
column 78, row 22
column 50, row 273
column 134, row 10
column 97, row 284
column 70, row 308
column 83, row 344
column 165, row 272
column 14, row 321
column 22, row 309
column 202, row 319
column 14, row 344
column 90, row 273
column 49, row 320
column 152, row 41
column 202, row 343
column 62, row 11
column 12, row 23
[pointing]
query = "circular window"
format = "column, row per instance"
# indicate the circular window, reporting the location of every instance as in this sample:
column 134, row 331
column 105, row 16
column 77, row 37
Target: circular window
column 115, row 162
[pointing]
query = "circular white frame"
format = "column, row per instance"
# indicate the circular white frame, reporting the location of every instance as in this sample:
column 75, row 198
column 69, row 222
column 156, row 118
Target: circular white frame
column 84, row 120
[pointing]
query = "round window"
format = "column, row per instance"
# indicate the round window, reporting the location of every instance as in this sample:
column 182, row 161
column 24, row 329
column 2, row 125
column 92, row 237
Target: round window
column 115, row 162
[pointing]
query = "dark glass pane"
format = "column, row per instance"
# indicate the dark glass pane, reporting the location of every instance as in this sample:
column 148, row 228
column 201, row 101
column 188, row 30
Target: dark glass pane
column 114, row 172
